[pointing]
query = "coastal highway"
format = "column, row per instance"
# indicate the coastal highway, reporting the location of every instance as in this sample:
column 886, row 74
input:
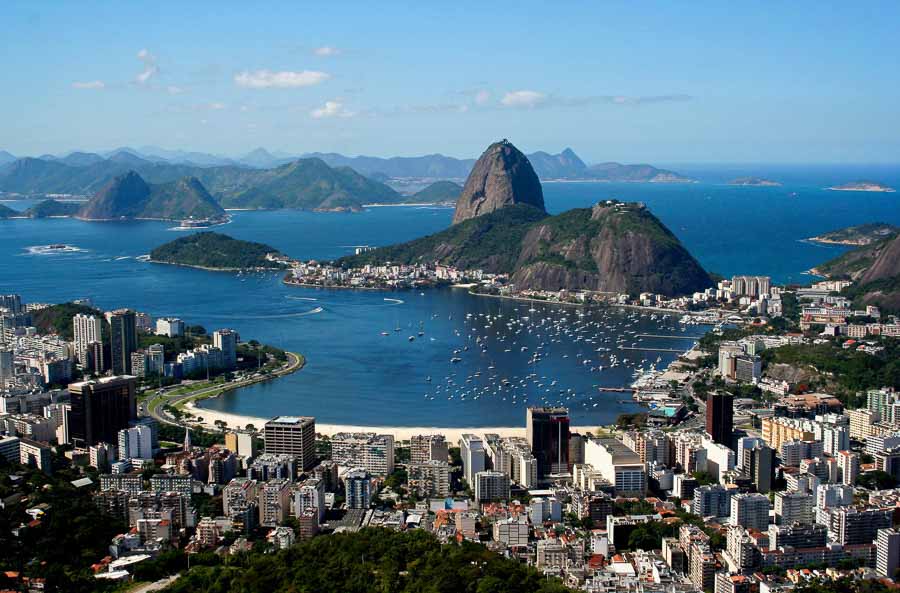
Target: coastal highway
column 155, row 404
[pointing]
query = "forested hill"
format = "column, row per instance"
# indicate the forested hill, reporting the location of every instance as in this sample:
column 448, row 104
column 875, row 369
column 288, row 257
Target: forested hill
column 215, row 251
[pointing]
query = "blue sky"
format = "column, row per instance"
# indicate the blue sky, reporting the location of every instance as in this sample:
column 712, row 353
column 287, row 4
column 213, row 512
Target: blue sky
column 637, row 82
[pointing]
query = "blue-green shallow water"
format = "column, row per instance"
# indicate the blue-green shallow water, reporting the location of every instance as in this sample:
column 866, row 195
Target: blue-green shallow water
column 354, row 374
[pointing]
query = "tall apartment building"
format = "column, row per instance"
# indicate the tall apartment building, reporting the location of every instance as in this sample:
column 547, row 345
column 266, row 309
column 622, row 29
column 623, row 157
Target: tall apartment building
column 135, row 443
column 794, row 507
column 370, row 451
column 122, row 340
column 848, row 463
column 547, row 431
column 274, row 502
column 430, row 479
column 471, row 449
column 88, row 329
column 750, row 511
column 428, row 447
column 226, row 340
column 650, row 445
column 851, row 525
column 775, row 431
column 712, row 500
column 795, row 451
column 292, row 435
column 358, row 488
column 513, row 457
column 758, row 464
column 310, row 495
column 491, row 486
column 887, row 544
column 100, row 409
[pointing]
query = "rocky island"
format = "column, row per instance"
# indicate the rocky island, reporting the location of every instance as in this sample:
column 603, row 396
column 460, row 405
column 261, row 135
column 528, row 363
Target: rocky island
column 862, row 186
column 501, row 227
column 215, row 251
column 755, row 182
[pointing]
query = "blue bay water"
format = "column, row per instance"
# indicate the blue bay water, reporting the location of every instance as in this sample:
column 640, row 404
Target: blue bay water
column 355, row 375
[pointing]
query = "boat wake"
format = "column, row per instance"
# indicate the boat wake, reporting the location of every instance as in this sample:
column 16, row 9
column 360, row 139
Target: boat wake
column 394, row 301
column 56, row 249
column 315, row 311
column 296, row 298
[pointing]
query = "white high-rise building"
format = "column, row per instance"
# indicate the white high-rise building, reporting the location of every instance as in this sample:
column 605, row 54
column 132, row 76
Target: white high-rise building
column 471, row 449
column 136, row 443
column 750, row 511
column 226, row 340
column 171, row 327
column 87, row 328
column 887, row 544
column 848, row 463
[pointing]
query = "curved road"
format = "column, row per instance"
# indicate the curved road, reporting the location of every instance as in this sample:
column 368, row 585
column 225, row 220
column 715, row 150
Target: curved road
column 155, row 404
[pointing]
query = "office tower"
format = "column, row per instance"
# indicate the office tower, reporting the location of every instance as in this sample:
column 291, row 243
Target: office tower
column 122, row 340
column 427, row 447
column 292, row 435
column 491, row 486
column 7, row 366
column 720, row 417
column 471, row 449
column 100, row 409
column 171, row 327
column 136, row 443
column 887, row 544
column 88, row 329
column 96, row 359
column 750, row 511
column 226, row 340
column 547, row 431
column 358, row 489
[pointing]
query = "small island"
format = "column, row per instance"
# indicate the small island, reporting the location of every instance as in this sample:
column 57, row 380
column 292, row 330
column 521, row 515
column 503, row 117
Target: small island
column 863, row 234
column 862, row 186
column 53, row 209
column 215, row 251
column 754, row 182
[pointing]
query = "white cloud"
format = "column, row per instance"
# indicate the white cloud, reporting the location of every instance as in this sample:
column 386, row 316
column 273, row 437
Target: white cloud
column 482, row 97
column 150, row 68
column 89, row 84
column 326, row 51
column 215, row 106
column 265, row 79
column 331, row 109
column 523, row 99
column 174, row 90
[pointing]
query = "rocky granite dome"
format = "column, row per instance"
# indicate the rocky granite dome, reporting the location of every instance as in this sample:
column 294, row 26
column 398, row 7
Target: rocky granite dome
column 501, row 177
column 886, row 265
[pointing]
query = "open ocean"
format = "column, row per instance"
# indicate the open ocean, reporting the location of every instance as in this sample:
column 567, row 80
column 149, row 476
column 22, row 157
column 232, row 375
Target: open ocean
column 355, row 375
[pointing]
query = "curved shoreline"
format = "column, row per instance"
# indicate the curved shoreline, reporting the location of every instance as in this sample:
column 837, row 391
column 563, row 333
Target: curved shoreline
column 209, row 269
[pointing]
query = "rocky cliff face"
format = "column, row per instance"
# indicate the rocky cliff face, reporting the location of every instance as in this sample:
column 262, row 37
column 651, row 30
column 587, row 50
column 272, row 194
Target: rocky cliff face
column 123, row 197
column 501, row 177
column 886, row 265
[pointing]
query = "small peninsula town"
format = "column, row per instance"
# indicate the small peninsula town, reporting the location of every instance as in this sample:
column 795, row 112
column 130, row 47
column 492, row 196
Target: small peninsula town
column 309, row 370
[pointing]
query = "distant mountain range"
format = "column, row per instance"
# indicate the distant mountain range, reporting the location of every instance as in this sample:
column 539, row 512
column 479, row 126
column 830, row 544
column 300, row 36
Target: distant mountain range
column 565, row 165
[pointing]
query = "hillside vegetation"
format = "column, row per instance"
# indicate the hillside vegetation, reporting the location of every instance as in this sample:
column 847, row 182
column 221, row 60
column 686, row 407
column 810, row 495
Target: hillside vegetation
column 371, row 561
column 216, row 251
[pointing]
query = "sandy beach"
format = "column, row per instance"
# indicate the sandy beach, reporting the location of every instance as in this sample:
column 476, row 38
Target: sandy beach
column 400, row 433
